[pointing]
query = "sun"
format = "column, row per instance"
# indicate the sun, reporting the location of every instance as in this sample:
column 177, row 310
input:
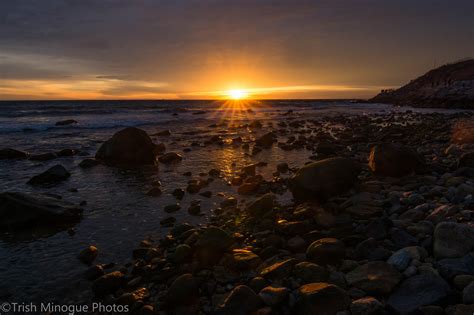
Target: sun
column 237, row 94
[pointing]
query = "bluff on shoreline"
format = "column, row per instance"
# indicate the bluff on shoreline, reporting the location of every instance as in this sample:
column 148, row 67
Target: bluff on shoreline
column 449, row 86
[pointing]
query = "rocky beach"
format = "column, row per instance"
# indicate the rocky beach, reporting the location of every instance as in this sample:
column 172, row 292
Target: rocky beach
column 296, row 207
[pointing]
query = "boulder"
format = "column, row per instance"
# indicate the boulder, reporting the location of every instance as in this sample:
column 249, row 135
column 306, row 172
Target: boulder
column 266, row 141
column 211, row 245
column 53, row 175
column 244, row 259
column 321, row 298
column 375, row 277
column 451, row 267
column 184, row 290
column 21, row 210
column 242, row 300
column 452, row 239
column 417, row 291
column 308, row 272
column 12, row 154
column 395, row 160
column 88, row 255
column 108, row 283
column 274, row 296
column 324, row 179
column 279, row 270
column 261, row 205
column 326, row 251
column 170, row 157
column 130, row 146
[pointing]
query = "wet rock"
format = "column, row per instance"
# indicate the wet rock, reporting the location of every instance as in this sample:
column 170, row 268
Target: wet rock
column 242, row 300
column 130, row 146
column 326, row 251
column 88, row 163
column 170, row 157
column 94, row 272
column 366, row 306
column 417, row 291
column 43, row 157
column 244, row 259
column 450, row 267
column 452, row 240
column 183, row 291
column 108, row 283
column 154, row 192
column 309, row 272
column 258, row 283
column 274, row 296
column 66, row 122
column 403, row 257
column 261, row 206
column 172, row 208
column 167, row 222
column 88, row 255
column 266, row 141
column 23, row 210
column 66, row 152
column 215, row 238
column 375, row 277
column 12, row 154
column 324, row 179
column 395, row 160
column 322, row 299
column 279, row 270
column 53, row 175
column 182, row 253
column 194, row 209
column 178, row 193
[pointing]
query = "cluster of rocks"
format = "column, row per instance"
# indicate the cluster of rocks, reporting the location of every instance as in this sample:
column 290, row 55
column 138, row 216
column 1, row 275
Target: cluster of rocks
column 381, row 223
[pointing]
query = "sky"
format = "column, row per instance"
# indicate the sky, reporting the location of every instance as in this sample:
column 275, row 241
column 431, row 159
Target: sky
column 176, row 49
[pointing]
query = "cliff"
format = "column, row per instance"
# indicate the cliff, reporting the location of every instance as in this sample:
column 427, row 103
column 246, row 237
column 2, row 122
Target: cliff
column 449, row 86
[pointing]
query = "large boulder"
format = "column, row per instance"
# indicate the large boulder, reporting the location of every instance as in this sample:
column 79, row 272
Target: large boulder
column 395, row 160
column 417, row 291
column 324, row 179
column 51, row 176
column 211, row 245
column 130, row 146
column 452, row 239
column 21, row 210
column 321, row 298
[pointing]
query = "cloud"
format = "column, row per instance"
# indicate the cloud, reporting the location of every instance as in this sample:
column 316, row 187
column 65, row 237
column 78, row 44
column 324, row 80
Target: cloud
column 212, row 45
